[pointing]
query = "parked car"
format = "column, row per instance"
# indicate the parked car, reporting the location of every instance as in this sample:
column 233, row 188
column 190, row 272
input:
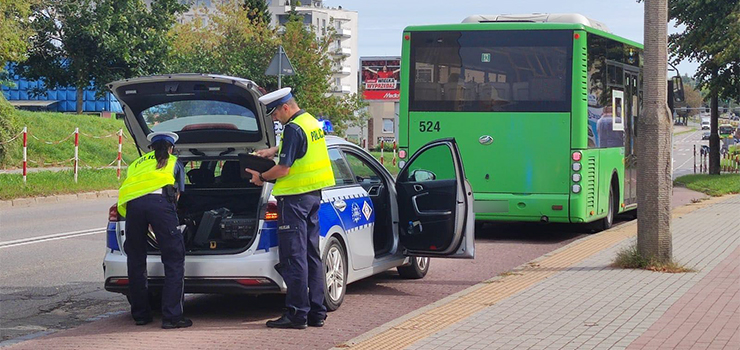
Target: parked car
column 370, row 222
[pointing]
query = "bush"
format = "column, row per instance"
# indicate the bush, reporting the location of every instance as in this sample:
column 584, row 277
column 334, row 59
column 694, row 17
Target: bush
column 388, row 147
column 8, row 127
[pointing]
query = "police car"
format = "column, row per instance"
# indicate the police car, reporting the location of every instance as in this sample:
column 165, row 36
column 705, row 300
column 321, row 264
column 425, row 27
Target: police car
column 370, row 222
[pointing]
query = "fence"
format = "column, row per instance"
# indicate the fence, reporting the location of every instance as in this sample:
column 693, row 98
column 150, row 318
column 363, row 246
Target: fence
column 729, row 162
column 75, row 160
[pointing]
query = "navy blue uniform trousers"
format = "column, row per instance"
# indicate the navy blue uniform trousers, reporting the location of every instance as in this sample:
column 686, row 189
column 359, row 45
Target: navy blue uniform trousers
column 157, row 211
column 300, row 258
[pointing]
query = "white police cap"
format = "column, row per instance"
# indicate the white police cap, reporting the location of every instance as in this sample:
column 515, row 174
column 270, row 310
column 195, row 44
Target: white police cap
column 170, row 137
column 276, row 98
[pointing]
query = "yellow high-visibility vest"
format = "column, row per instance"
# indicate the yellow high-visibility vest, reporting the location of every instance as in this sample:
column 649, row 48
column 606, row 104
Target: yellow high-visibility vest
column 143, row 177
column 311, row 172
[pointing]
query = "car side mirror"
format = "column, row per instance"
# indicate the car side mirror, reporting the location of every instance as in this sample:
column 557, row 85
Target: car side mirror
column 422, row 175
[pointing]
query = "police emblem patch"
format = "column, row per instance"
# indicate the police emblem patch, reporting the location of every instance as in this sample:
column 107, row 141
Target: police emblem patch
column 356, row 212
column 367, row 210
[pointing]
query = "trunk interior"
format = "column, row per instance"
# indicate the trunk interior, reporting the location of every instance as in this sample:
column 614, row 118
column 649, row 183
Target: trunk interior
column 219, row 209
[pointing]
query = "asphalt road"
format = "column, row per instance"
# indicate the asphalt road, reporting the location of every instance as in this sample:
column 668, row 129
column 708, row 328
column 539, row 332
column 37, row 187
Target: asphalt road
column 683, row 151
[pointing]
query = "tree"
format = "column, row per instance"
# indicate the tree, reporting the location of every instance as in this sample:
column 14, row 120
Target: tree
column 232, row 43
column 711, row 38
column 654, row 183
column 88, row 43
column 14, row 30
column 257, row 10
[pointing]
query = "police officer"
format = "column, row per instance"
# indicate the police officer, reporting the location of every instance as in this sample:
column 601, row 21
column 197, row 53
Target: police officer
column 148, row 197
column 302, row 171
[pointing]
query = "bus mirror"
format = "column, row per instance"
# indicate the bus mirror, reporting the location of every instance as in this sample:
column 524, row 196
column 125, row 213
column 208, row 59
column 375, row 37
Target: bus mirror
column 678, row 94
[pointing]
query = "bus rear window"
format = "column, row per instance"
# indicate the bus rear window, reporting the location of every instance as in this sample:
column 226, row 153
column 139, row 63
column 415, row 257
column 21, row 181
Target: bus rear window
column 482, row 71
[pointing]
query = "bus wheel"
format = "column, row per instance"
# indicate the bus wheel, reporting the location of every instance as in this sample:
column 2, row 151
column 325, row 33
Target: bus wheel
column 606, row 222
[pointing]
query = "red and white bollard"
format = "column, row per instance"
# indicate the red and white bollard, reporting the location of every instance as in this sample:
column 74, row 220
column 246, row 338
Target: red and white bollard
column 120, row 143
column 25, row 152
column 394, row 153
column 77, row 147
column 382, row 148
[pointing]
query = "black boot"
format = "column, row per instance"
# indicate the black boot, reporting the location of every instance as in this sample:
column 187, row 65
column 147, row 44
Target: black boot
column 182, row 323
column 285, row 322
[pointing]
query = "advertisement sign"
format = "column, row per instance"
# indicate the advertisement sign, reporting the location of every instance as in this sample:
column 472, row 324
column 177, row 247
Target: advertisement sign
column 380, row 78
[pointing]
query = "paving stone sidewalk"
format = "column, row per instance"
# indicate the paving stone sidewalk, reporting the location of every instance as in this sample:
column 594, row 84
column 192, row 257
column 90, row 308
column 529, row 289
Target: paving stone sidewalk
column 591, row 305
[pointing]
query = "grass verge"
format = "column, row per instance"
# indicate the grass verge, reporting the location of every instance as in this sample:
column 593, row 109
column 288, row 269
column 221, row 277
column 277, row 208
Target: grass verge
column 630, row 258
column 713, row 185
column 684, row 132
column 48, row 183
column 53, row 127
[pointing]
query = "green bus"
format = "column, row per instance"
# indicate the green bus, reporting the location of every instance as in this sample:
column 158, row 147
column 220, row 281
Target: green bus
column 543, row 108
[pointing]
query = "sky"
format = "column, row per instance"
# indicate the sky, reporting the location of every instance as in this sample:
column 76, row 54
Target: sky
column 381, row 22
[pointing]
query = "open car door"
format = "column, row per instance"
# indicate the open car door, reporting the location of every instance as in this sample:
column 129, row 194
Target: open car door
column 435, row 203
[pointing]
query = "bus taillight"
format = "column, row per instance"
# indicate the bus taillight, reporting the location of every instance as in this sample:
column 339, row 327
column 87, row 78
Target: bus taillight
column 577, row 156
column 402, row 154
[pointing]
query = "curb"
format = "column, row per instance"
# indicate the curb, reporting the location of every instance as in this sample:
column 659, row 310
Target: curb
column 31, row 201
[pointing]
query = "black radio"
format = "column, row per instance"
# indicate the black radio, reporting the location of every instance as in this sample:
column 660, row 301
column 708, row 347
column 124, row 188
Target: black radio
column 238, row 228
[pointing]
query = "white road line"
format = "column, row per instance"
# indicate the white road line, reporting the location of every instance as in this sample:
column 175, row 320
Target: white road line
column 689, row 135
column 52, row 237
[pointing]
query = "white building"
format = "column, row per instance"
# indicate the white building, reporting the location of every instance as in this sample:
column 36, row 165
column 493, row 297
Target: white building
column 345, row 44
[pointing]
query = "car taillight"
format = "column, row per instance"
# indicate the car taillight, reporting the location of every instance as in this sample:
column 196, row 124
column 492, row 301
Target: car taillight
column 113, row 213
column 119, row 281
column 271, row 213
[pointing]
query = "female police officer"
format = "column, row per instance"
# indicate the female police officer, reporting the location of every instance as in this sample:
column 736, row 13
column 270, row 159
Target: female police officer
column 147, row 198
column 303, row 170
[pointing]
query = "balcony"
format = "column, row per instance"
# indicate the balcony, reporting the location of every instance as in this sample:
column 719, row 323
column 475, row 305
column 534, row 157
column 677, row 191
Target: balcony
column 342, row 70
column 342, row 89
column 344, row 33
column 342, row 51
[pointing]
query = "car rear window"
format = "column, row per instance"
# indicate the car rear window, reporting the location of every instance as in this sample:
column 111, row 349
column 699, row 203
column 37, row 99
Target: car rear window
column 199, row 115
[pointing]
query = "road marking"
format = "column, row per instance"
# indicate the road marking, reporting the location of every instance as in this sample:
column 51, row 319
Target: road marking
column 52, row 237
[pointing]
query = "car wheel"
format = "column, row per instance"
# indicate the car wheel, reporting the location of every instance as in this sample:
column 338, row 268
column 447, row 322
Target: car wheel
column 606, row 222
column 417, row 269
column 335, row 274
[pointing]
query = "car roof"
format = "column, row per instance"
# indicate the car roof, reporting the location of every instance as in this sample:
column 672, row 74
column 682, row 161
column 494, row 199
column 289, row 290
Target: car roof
column 337, row 141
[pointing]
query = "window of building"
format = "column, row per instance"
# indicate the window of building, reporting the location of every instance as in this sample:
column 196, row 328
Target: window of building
column 388, row 126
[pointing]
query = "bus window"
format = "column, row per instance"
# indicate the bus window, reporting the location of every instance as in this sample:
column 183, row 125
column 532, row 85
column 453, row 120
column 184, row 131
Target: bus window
column 479, row 71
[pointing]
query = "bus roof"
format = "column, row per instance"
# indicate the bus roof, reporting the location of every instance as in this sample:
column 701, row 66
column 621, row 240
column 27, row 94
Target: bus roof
column 519, row 26
column 540, row 18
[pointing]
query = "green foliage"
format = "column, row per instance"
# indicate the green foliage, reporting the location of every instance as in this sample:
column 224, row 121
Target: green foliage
column 711, row 38
column 47, row 183
column 8, row 126
column 234, row 42
column 94, row 152
column 257, row 10
column 630, row 258
column 84, row 42
column 14, row 31
column 713, row 185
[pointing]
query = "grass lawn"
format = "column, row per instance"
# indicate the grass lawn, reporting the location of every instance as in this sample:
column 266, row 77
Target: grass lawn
column 47, row 183
column 53, row 127
column 713, row 185
column 684, row 132
column 387, row 161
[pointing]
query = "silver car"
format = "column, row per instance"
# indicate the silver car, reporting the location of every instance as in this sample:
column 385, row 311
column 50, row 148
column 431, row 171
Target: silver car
column 370, row 222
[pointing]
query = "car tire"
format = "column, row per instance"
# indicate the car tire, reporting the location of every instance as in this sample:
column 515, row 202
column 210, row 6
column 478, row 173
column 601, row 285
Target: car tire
column 335, row 273
column 606, row 222
column 415, row 270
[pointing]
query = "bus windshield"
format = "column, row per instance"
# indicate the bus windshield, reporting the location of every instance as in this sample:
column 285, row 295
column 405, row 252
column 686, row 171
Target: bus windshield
column 483, row 71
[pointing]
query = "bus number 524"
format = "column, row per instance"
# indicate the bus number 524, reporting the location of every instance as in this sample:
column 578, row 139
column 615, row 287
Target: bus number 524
column 428, row 126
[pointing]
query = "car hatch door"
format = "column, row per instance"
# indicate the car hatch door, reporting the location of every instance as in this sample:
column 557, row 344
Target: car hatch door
column 435, row 203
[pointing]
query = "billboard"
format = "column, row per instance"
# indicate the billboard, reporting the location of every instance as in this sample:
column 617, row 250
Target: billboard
column 380, row 78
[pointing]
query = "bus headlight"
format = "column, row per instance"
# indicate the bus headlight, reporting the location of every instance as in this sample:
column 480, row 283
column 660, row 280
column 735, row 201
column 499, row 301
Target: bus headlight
column 576, row 177
column 576, row 166
column 576, row 188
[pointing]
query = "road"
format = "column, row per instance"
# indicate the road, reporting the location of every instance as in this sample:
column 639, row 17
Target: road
column 683, row 150
column 51, row 255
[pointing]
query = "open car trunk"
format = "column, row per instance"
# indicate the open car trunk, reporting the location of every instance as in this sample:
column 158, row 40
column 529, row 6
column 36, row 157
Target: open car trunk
column 221, row 213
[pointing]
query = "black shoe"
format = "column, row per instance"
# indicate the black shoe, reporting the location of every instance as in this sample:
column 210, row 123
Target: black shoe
column 285, row 322
column 316, row 322
column 143, row 321
column 182, row 323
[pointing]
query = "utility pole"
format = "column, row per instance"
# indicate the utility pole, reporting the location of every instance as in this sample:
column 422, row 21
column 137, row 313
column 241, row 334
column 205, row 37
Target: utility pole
column 654, row 168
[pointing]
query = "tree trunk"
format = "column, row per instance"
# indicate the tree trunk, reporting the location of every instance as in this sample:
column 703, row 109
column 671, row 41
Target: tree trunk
column 654, row 165
column 714, row 135
column 80, row 96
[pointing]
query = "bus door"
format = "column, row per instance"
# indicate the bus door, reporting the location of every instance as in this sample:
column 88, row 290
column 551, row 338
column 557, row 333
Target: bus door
column 632, row 106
